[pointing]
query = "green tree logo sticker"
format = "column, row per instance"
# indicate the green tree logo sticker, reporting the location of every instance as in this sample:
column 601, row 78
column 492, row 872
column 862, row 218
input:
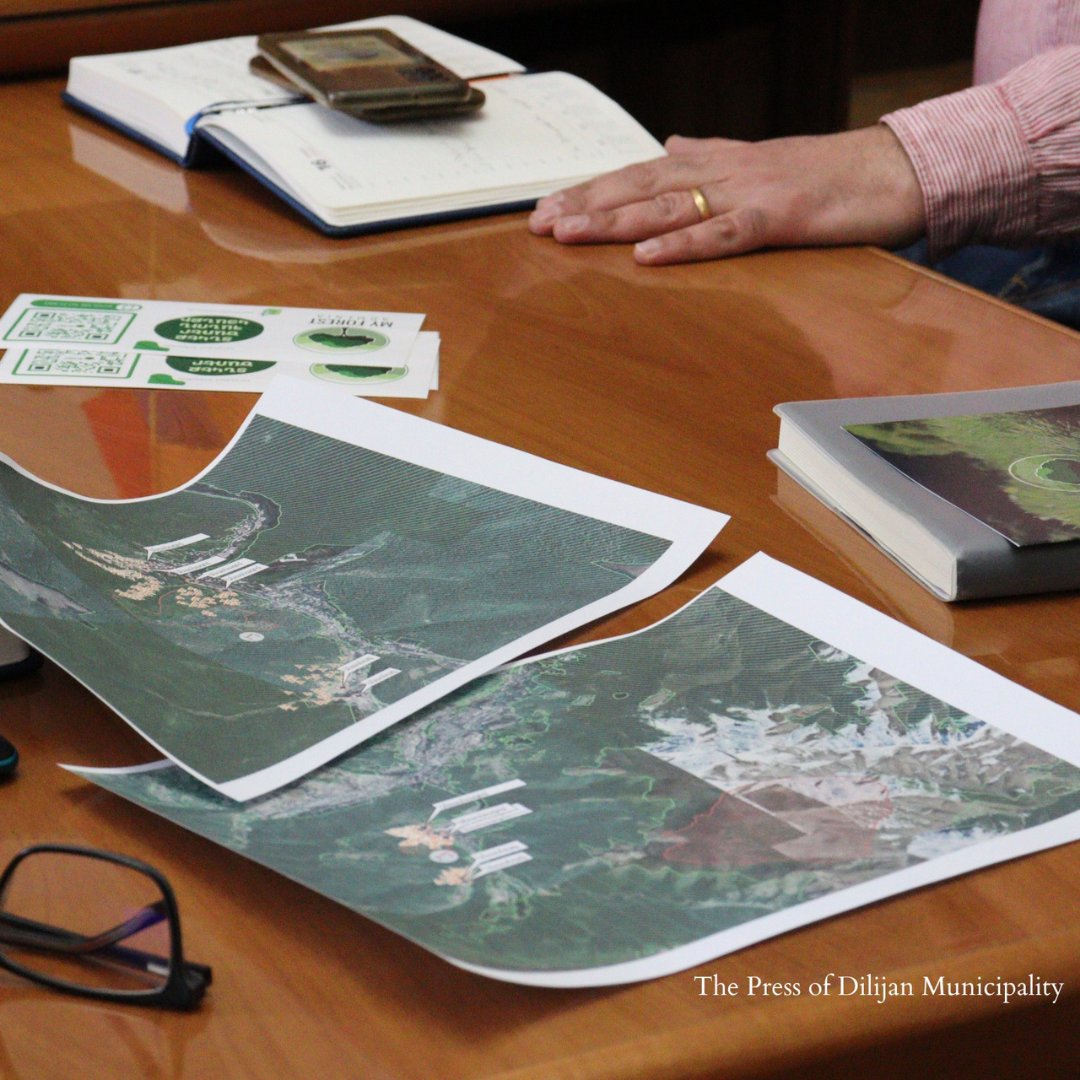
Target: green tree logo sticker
column 341, row 340
column 357, row 373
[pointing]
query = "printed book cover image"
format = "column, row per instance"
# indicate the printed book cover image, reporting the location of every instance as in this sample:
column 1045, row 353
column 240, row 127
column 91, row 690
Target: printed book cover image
column 1017, row 472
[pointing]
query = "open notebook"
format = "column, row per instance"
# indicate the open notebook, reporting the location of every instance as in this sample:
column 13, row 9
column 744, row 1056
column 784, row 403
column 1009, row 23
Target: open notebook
column 535, row 134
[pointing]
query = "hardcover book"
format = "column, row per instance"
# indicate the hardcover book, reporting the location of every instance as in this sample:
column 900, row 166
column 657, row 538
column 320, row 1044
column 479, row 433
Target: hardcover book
column 858, row 458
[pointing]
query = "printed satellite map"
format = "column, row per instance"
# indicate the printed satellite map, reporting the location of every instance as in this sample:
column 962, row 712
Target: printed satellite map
column 608, row 803
column 300, row 585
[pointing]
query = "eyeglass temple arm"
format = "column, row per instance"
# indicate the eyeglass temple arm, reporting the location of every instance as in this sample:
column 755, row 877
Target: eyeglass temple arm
column 17, row 931
column 67, row 941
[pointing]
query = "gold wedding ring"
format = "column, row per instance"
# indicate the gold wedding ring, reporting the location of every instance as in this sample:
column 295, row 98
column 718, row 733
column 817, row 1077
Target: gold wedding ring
column 702, row 204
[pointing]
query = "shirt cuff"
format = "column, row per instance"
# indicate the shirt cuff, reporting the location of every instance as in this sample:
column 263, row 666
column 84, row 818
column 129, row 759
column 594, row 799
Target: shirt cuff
column 974, row 165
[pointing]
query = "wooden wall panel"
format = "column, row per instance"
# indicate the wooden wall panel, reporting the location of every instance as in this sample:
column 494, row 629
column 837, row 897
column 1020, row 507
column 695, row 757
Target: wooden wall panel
column 740, row 69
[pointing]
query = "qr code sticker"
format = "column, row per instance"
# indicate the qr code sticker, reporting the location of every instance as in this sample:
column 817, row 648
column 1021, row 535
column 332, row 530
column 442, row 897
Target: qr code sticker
column 81, row 363
column 92, row 327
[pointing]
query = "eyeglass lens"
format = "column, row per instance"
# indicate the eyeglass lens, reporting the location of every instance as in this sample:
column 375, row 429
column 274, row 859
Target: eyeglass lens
column 87, row 922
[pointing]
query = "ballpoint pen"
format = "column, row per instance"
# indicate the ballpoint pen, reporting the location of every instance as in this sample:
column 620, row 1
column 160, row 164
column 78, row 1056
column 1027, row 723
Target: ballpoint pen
column 9, row 757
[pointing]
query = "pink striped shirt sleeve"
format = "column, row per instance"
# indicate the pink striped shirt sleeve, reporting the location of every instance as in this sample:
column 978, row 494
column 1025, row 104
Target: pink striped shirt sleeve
column 1000, row 163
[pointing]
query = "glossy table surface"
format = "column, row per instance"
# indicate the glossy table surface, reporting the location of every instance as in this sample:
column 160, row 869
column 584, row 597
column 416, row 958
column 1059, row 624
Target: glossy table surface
column 664, row 379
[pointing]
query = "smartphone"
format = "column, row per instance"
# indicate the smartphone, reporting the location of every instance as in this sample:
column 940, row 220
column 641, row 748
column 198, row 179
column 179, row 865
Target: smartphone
column 380, row 114
column 364, row 71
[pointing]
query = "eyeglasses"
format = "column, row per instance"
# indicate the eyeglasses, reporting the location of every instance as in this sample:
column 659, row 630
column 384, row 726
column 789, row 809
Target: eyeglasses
column 100, row 925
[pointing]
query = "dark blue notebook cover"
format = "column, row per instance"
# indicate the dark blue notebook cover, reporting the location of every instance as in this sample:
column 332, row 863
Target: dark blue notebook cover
column 204, row 149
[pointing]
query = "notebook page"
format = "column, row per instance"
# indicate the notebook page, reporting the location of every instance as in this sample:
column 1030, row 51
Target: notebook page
column 157, row 91
column 534, row 132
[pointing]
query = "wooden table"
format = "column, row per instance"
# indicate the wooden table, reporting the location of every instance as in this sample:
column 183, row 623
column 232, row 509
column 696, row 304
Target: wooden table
column 660, row 378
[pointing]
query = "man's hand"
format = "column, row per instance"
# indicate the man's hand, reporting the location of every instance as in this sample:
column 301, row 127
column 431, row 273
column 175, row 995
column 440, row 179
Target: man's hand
column 855, row 187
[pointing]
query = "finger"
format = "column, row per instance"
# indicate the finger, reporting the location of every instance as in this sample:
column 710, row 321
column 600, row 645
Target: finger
column 635, row 183
column 669, row 211
column 727, row 234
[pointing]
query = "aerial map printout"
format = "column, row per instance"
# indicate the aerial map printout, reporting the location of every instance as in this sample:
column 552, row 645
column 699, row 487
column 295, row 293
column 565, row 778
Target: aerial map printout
column 339, row 566
column 771, row 754
column 1018, row 472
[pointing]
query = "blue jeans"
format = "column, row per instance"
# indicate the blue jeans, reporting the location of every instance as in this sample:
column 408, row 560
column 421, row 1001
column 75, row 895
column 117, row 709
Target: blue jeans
column 1044, row 280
